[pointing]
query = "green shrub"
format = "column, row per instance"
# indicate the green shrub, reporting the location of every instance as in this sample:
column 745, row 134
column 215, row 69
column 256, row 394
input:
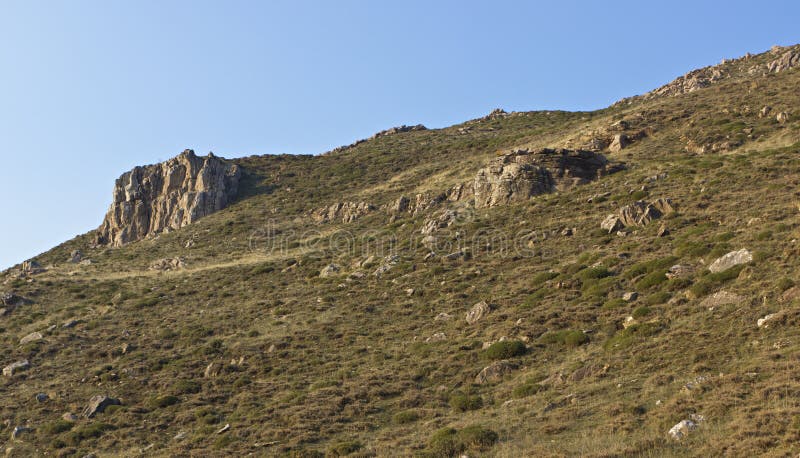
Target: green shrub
column 449, row 442
column 594, row 273
column 626, row 337
column 657, row 298
column 56, row 427
column 345, row 448
column 92, row 430
column 505, row 349
column 163, row 401
column 641, row 312
column 784, row 284
column 464, row 402
column 404, row 417
column 652, row 279
column 528, row 388
column 542, row 277
column 646, row 267
column 566, row 337
column 188, row 387
column 614, row 303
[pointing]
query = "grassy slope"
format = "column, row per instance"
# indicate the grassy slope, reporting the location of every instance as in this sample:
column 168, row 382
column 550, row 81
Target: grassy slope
column 330, row 364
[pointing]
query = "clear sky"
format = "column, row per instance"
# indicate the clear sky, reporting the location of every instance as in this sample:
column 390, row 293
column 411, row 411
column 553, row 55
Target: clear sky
column 89, row 89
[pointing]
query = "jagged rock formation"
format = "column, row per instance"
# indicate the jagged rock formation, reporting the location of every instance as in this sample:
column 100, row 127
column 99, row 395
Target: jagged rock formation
column 159, row 198
column 521, row 174
column 346, row 212
column 787, row 60
column 639, row 213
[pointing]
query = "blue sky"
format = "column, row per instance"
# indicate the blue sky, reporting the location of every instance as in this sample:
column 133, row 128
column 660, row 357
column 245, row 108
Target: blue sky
column 88, row 89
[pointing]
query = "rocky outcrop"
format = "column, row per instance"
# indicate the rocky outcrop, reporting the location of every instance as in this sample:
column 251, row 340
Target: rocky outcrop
column 787, row 60
column 639, row 213
column 522, row 174
column 159, row 198
column 346, row 212
column 732, row 259
column 167, row 264
column 98, row 404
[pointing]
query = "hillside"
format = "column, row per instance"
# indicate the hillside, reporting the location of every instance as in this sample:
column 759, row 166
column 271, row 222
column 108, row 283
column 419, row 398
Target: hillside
column 439, row 292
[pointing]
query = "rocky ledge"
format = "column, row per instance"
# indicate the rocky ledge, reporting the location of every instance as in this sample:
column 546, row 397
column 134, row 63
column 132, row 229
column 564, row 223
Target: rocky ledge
column 159, row 198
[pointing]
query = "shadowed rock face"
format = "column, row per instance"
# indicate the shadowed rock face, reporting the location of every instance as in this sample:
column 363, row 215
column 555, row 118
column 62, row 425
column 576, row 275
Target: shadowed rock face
column 522, row 174
column 158, row 198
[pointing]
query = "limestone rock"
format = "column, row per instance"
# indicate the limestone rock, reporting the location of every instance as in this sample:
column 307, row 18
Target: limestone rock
column 98, row 404
column 732, row 259
column 782, row 117
column 764, row 111
column 764, row 322
column 721, row 298
column 494, row 372
column 19, row 431
column 32, row 337
column 386, row 265
column 13, row 368
column 684, row 427
column 522, row 174
column 639, row 213
column 612, row 224
column 330, row 270
column 75, row 256
column 437, row 337
column 679, row 271
column 630, row 296
column 159, row 198
column 477, row 312
column 618, row 143
column 163, row 265
column 346, row 212
column 787, row 60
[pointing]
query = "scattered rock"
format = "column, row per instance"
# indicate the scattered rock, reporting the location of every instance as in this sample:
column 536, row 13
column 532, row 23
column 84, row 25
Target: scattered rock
column 98, row 404
column 630, row 296
column 19, row 431
column 69, row 416
column 442, row 317
column 663, row 231
column 42, row 397
column 787, row 60
column 732, row 259
column 764, row 112
column 684, row 427
column 330, row 270
column 437, row 337
column 386, row 265
column 19, row 366
column 721, row 298
column 224, row 429
column 158, row 198
column 782, row 117
column 70, row 324
column 212, row 370
column 494, row 372
column 167, row 264
column 477, row 312
column 32, row 337
column 679, row 271
column 612, row 224
column 75, row 257
column 629, row 321
column 764, row 322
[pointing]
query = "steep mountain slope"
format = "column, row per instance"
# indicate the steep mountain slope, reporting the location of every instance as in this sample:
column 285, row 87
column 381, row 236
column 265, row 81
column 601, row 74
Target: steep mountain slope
column 325, row 310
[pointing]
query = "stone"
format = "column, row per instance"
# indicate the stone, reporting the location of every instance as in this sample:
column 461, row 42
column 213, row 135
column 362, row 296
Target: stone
column 612, row 224
column 163, row 197
column 386, row 265
column 679, row 271
column 437, row 337
column 732, row 259
column 618, row 143
column 477, row 312
column 346, row 212
column 787, row 60
column 494, row 372
column 330, row 270
column 32, row 337
column 19, row 366
column 721, row 298
column 764, row 112
column 630, row 296
column 764, row 322
column 70, row 324
column 98, row 404
column 69, row 416
column 167, row 264
column 42, row 397
column 628, row 322
column 521, row 174
column 684, row 427
column 663, row 231
column 75, row 256
column 782, row 117
column 18, row 431
column 212, row 370
column 639, row 213
column 443, row 317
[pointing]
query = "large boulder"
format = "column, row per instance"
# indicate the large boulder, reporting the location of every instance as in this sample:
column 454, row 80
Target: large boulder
column 639, row 213
column 732, row 259
column 98, row 404
column 522, row 174
column 159, row 198
column 477, row 312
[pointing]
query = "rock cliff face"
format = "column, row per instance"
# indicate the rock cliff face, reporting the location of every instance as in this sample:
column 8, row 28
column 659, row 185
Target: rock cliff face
column 522, row 174
column 159, row 198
